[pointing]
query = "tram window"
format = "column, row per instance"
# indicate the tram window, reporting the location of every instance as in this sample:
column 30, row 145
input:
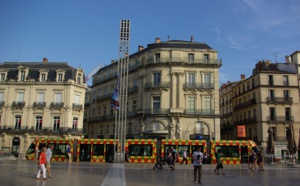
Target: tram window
column 195, row 148
column 140, row 150
column 181, row 149
column 169, row 147
column 31, row 149
column 229, row 151
column 98, row 150
column 59, row 149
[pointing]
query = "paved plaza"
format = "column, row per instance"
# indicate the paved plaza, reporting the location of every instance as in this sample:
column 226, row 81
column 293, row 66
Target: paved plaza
column 22, row 172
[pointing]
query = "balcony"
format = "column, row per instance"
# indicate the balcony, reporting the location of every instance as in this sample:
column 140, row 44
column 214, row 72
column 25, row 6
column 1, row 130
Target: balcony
column 204, row 62
column 104, row 97
column 77, row 107
column 190, row 85
column 57, row 105
column 157, row 111
column 105, row 78
column 199, row 112
column 132, row 90
column 279, row 100
column 135, row 66
column 157, row 85
column 18, row 104
column 280, row 119
column 245, row 121
column 246, row 104
column 39, row 105
column 2, row 104
column 227, row 115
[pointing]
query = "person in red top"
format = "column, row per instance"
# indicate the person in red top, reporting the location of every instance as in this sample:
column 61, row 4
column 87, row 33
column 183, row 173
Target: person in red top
column 41, row 163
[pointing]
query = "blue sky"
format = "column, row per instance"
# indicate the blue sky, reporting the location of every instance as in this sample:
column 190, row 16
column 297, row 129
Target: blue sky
column 85, row 33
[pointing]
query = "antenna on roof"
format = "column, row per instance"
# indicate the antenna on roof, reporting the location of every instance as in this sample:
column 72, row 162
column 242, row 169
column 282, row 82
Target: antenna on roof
column 275, row 55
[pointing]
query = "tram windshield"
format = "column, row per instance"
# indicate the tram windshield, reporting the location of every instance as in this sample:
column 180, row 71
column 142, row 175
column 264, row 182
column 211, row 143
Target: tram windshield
column 140, row 150
column 229, row 151
column 98, row 150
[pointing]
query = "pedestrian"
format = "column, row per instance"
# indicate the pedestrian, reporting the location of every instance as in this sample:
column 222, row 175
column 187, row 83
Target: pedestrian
column 260, row 158
column 197, row 163
column 184, row 157
column 48, row 159
column 169, row 160
column 41, row 164
column 219, row 163
column 174, row 154
column 36, row 151
column 252, row 160
column 68, row 150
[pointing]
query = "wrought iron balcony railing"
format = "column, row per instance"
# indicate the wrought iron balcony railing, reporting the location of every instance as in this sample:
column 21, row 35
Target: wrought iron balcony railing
column 184, row 60
column 18, row 104
column 57, row 105
column 77, row 106
column 203, row 112
column 245, row 104
column 280, row 119
column 2, row 103
column 154, row 85
column 156, row 111
column 39, row 104
column 190, row 85
column 279, row 100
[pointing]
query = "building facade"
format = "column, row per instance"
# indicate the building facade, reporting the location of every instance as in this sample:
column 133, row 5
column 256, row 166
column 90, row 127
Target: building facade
column 172, row 93
column 269, row 99
column 39, row 99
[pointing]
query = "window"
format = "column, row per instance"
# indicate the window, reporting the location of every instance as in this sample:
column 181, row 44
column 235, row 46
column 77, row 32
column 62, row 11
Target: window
column 285, row 81
column 206, row 58
column 156, row 102
column 191, row 58
column 2, row 77
column 288, row 114
column 98, row 150
column 270, row 78
column 272, row 114
column 1, row 96
column 41, row 97
column 59, row 149
column 43, row 77
column 58, row 97
column 229, row 151
column 191, row 104
column 75, row 124
column 286, row 94
column 18, row 122
column 199, row 128
column 134, row 105
column 107, row 128
column 140, row 150
column 60, row 77
column 250, row 133
column 271, row 95
column 20, row 96
column 207, row 80
column 79, row 78
column 77, row 99
column 207, row 104
column 191, row 79
column 56, row 123
column 135, row 82
column 181, row 149
column 38, row 123
column 157, row 58
column 156, row 79
column 22, row 76
column 253, row 84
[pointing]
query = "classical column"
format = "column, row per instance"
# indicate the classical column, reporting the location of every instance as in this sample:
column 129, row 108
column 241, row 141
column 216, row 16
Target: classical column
column 179, row 89
column 173, row 89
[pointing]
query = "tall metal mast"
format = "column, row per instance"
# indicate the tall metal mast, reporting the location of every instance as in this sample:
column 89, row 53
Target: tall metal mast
column 121, row 112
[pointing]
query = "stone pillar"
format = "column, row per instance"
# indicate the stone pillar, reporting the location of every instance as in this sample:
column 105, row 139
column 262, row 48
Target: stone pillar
column 179, row 89
column 172, row 126
column 173, row 90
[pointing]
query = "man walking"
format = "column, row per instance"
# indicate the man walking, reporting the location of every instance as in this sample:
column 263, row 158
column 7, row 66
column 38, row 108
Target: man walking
column 184, row 157
column 198, row 158
column 48, row 158
column 219, row 163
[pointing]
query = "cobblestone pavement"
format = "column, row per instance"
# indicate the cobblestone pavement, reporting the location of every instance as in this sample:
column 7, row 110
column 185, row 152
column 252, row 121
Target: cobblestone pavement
column 22, row 172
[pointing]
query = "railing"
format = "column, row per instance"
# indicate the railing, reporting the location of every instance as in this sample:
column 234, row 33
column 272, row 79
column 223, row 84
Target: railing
column 39, row 104
column 280, row 119
column 157, row 111
column 245, row 121
column 199, row 112
column 157, row 85
column 104, row 78
column 279, row 100
column 77, row 106
column 227, row 115
column 245, row 104
column 190, row 85
column 132, row 67
column 132, row 89
column 184, row 60
column 61, row 130
column 57, row 105
column 104, row 97
column 18, row 104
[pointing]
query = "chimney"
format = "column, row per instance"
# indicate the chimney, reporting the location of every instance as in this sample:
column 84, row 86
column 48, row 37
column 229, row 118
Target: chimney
column 157, row 40
column 140, row 48
column 192, row 39
column 113, row 61
column 45, row 60
column 242, row 76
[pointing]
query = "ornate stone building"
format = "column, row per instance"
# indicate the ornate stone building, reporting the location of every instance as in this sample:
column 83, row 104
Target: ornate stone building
column 172, row 93
column 39, row 99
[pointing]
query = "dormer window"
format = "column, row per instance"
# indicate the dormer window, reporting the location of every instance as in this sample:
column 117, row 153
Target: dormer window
column 60, row 75
column 79, row 79
column 2, row 76
column 22, row 76
column 43, row 77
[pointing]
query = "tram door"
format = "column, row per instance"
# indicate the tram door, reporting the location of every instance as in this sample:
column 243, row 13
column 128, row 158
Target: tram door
column 109, row 156
column 15, row 146
column 85, row 152
column 244, row 154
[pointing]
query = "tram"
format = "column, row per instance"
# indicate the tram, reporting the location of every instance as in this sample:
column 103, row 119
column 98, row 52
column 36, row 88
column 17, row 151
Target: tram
column 142, row 150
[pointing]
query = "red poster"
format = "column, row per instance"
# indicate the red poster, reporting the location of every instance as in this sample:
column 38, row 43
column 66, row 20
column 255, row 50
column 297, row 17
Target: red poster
column 241, row 130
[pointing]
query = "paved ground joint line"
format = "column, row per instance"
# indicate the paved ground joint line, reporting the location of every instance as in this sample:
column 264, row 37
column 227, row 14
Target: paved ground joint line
column 115, row 176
